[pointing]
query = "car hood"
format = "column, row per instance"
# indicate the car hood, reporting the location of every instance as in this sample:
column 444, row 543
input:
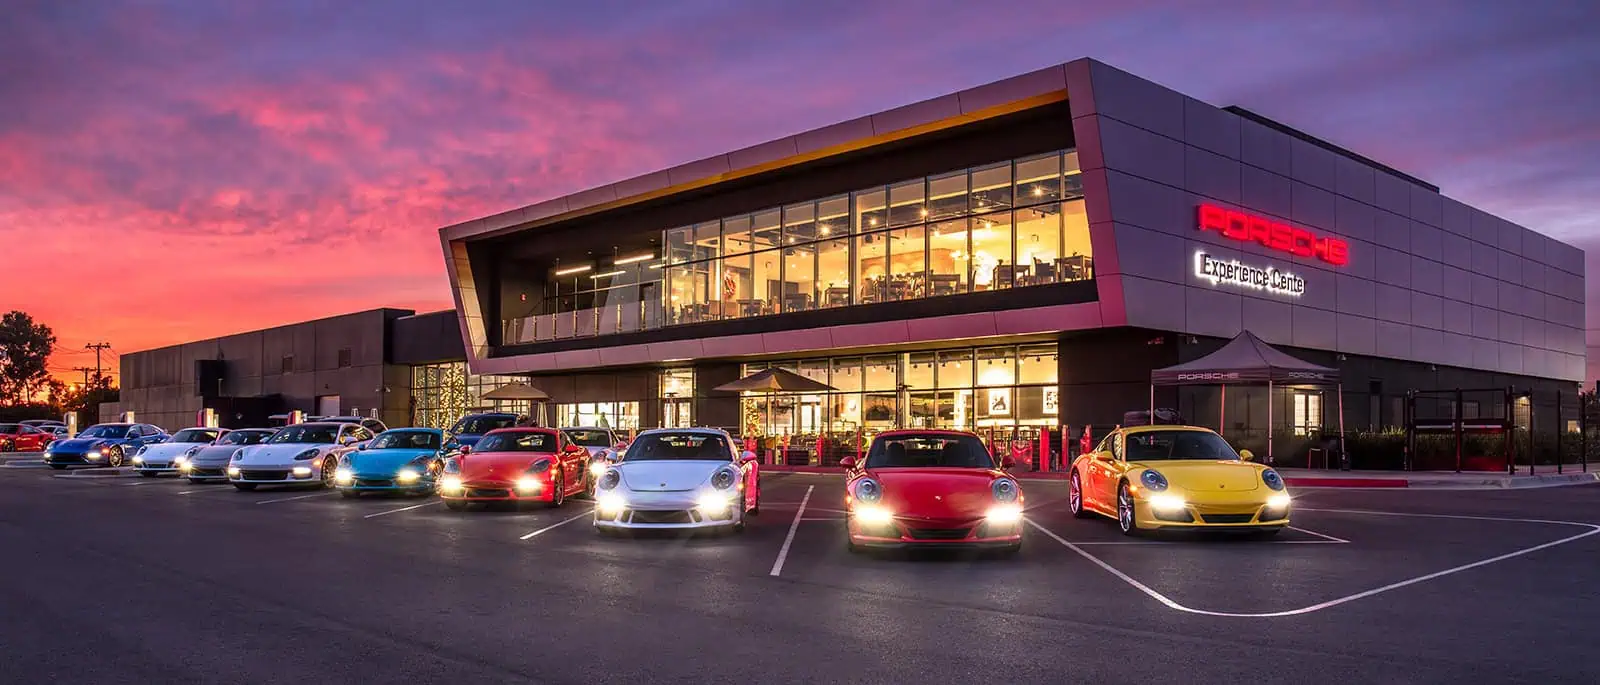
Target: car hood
column 279, row 454
column 168, row 450
column 214, row 454
column 385, row 462
column 504, row 466
column 77, row 444
column 1207, row 476
column 937, row 493
column 668, row 475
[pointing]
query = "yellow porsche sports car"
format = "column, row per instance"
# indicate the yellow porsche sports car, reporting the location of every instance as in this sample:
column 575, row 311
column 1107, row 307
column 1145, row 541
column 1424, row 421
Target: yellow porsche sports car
column 1153, row 477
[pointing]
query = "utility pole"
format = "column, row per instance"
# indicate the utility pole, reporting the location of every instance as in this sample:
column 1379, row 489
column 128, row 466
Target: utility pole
column 85, row 371
column 98, row 348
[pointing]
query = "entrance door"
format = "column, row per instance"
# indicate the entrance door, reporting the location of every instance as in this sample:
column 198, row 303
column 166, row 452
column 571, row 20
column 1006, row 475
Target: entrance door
column 328, row 405
column 675, row 413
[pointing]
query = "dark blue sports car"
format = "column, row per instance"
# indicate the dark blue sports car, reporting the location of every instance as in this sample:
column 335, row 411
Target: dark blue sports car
column 103, row 444
column 472, row 426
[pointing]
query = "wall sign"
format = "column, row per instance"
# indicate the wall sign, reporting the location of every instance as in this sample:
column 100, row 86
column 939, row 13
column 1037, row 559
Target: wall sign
column 1274, row 235
column 1052, row 401
column 999, row 401
column 1269, row 279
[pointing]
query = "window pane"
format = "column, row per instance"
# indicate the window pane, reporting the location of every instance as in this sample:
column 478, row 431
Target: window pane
column 767, row 229
column 737, row 283
column 736, row 238
column 799, row 223
column 767, row 293
column 1039, row 244
column 1078, row 264
column 679, row 245
column 1039, row 179
column 872, row 251
column 1072, row 185
column 906, row 203
column 955, row 369
column 947, row 196
column 947, row 257
column 991, row 187
column 997, row 366
column 833, row 272
column 991, row 252
column 869, row 209
column 847, row 374
column 881, row 373
column 800, row 278
column 833, row 216
column 919, row 369
column 1037, row 364
column 707, row 240
column 907, row 264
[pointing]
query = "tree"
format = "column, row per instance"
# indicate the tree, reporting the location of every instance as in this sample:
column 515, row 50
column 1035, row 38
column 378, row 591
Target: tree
column 25, row 348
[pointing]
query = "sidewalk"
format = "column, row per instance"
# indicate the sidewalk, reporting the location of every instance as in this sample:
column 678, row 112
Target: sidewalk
column 1546, row 476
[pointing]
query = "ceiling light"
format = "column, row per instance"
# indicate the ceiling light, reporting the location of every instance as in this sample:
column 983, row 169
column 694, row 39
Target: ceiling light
column 573, row 270
column 609, row 274
column 636, row 258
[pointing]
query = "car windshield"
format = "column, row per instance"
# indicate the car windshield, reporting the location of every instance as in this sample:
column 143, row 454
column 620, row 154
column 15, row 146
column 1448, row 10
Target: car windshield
column 590, row 438
column 406, row 440
column 104, row 431
column 1168, row 445
column 478, row 425
column 517, row 442
column 929, row 450
column 678, row 446
column 244, row 438
column 303, row 434
column 195, row 435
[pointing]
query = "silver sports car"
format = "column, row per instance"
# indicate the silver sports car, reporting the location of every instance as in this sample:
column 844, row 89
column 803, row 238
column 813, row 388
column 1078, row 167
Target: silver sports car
column 678, row 478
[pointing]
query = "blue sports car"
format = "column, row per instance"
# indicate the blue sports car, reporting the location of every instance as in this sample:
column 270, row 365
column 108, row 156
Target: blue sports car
column 103, row 444
column 398, row 461
column 470, row 429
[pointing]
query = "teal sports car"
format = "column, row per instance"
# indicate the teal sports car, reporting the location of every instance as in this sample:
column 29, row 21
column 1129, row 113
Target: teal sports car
column 402, row 461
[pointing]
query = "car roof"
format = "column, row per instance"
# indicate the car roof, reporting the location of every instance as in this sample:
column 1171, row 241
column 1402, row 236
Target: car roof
column 328, row 424
column 1147, row 429
column 523, row 429
column 254, row 430
column 415, row 429
column 697, row 431
column 205, row 428
column 586, row 428
column 923, row 431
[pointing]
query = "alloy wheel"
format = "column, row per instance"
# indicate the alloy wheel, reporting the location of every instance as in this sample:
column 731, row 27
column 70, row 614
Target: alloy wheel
column 1125, row 518
column 1074, row 494
column 327, row 472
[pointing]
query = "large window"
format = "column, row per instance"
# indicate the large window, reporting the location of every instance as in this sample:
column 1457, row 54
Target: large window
column 443, row 393
column 618, row 415
column 1305, row 418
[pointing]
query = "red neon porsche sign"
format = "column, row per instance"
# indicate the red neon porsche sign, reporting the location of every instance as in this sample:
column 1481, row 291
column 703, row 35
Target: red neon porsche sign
column 1278, row 236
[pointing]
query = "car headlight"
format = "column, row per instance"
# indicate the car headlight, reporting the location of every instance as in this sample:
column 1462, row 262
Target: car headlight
column 343, row 476
column 92, row 454
column 868, row 491
column 450, row 483
column 138, row 459
column 238, row 455
column 1166, row 502
column 715, row 504
column 609, row 504
column 874, row 516
column 408, row 475
column 233, row 471
column 1153, row 480
column 724, row 478
column 1004, row 514
column 1272, row 479
column 612, row 479
column 1005, row 490
column 180, row 460
column 1279, row 501
column 142, row 450
column 529, row 484
column 307, row 455
column 598, row 468
column 302, row 472
column 186, row 466
column 539, row 466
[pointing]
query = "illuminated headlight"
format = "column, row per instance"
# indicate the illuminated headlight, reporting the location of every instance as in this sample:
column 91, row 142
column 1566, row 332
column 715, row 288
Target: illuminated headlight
column 868, row 491
column 724, row 478
column 1272, row 479
column 1279, row 501
column 714, row 504
column 408, row 475
column 180, row 460
column 1166, row 503
column 1004, row 514
column 302, row 472
column 1005, row 490
column 597, row 468
column 233, row 471
column 874, row 516
column 138, row 460
column 609, row 504
column 610, row 480
column 450, row 483
column 92, row 454
column 186, row 466
column 343, row 476
column 528, row 484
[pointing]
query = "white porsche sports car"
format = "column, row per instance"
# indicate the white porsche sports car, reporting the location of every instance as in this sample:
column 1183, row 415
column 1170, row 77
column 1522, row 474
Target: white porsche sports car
column 166, row 457
column 678, row 478
column 298, row 454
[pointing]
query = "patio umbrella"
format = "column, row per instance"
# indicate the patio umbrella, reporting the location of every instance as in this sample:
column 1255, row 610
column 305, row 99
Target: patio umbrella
column 773, row 381
column 519, row 391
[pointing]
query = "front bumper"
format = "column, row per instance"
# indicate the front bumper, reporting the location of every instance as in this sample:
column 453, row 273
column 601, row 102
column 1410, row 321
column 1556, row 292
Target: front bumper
column 275, row 475
column 904, row 532
column 662, row 511
column 73, row 459
column 384, row 484
column 496, row 491
column 160, row 468
column 1245, row 514
column 205, row 472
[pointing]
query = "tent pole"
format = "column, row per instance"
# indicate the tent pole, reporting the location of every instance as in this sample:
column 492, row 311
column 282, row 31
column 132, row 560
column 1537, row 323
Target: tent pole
column 1269, row 420
column 1152, row 404
column 1342, row 455
column 1222, row 414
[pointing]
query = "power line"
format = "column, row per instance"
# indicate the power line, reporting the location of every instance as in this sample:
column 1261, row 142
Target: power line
column 98, row 348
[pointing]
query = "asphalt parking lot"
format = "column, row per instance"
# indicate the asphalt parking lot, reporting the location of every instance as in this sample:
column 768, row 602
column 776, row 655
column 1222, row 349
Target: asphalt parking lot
column 126, row 579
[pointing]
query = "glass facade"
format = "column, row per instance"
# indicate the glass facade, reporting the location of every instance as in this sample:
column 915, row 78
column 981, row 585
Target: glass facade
column 618, row 415
column 1010, row 224
column 442, row 393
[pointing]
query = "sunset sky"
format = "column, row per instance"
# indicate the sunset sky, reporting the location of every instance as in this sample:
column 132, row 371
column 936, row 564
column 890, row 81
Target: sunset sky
column 178, row 170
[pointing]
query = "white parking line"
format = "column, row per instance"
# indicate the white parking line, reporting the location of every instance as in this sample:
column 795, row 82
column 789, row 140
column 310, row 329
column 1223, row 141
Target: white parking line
column 1593, row 529
column 291, row 499
column 396, row 511
column 823, row 518
column 1320, row 535
column 556, row 525
column 146, row 481
column 777, row 566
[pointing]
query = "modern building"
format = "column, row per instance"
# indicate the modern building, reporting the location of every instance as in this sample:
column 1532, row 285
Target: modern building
column 1011, row 259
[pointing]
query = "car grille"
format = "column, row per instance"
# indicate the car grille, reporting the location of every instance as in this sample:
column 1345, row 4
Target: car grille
column 374, row 483
column 938, row 533
column 264, row 475
column 204, row 473
column 662, row 517
column 1227, row 518
column 488, row 492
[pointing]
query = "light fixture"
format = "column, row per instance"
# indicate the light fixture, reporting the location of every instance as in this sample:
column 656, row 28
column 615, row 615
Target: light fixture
column 609, row 274
column 573, row 270
column 636, row 258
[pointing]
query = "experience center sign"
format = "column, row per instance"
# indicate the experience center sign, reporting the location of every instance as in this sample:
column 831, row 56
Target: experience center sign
column 1273, row 235
column 1270, row 279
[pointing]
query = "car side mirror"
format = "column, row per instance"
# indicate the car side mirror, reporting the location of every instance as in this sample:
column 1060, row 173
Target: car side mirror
column 361, row 446
column 1008, row 462
column 848, row 462
column 1246, row 455
column 466, row 448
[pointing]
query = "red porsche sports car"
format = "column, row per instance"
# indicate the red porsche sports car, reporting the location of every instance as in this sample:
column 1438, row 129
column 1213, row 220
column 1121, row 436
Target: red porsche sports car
column 515, row 465
column 931, row 488
column 18, row 437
